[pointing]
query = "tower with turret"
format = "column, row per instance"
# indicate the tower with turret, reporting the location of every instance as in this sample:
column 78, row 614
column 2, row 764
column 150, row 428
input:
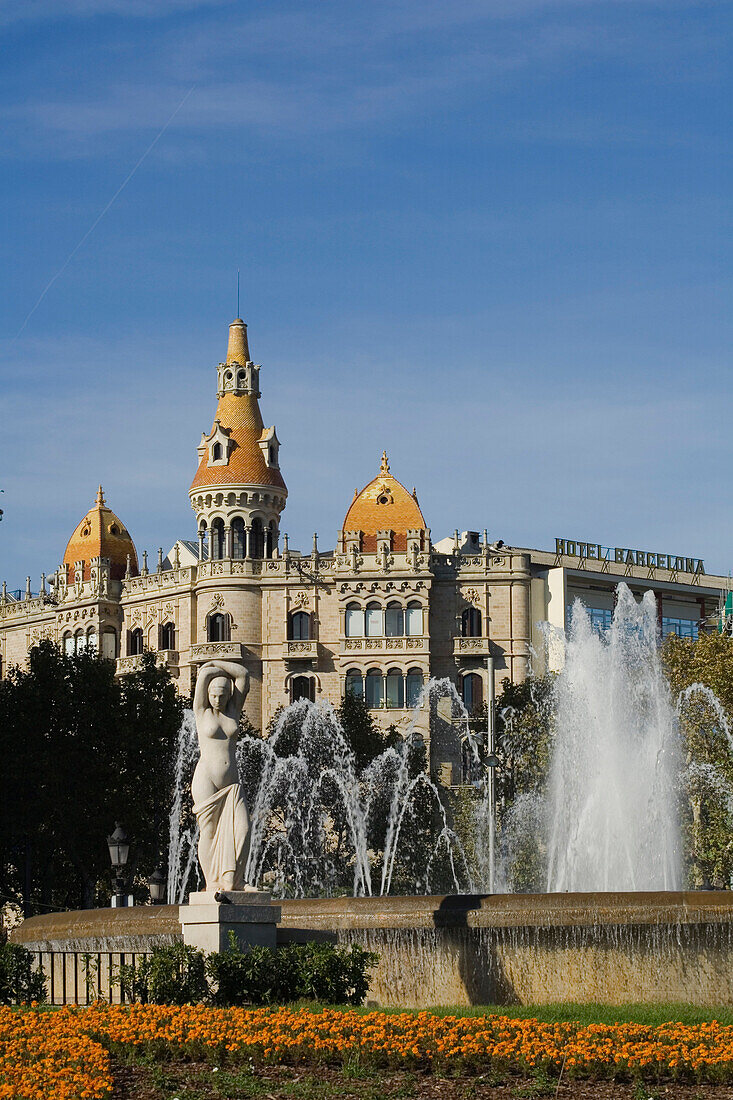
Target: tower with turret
column 238, row 493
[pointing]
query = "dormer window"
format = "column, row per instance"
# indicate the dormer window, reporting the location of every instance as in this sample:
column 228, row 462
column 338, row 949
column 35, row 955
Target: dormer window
column 270, row 446
column 218, row 445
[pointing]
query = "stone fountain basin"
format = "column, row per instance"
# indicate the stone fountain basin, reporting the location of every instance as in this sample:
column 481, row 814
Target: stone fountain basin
column 609, row 948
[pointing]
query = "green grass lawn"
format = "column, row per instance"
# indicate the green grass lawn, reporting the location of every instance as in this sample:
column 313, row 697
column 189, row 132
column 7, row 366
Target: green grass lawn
column 597, row 1014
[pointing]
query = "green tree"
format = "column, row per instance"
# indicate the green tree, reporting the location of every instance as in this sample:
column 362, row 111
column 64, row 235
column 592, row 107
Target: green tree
column 81, row 749
column 364, row 737
column 706, row 811
column 523, row 737
column 524, row 733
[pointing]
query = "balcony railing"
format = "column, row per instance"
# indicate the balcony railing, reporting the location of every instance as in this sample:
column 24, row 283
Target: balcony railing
column 407, row 644
column 300, row 648
column 208, row 651
column 471, row 647
column 164, row 658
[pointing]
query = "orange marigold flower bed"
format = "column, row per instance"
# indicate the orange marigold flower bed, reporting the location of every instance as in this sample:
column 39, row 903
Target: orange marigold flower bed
column 49, row 1056
column 65, row 1054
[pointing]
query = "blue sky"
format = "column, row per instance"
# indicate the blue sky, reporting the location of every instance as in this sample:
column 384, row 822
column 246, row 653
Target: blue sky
column 492, row 236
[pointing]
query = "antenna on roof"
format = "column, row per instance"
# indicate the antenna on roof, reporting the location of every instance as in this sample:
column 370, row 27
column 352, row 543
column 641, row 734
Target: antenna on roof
column 237, row 292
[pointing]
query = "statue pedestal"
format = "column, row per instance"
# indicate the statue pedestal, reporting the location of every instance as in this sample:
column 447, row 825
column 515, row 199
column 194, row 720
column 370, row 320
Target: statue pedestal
column 207, row 920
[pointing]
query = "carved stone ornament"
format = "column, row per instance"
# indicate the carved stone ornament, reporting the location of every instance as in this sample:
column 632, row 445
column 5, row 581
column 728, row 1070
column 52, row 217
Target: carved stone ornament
column 300, row 599
column 217, row 601
column 472, row 595
column 137, row 616
column 169, row 611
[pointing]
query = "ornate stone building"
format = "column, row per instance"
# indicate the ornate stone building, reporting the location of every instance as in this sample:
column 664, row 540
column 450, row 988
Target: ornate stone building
column 377, row 615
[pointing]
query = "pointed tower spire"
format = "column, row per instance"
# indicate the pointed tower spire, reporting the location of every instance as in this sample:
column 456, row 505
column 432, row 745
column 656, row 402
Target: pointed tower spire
column 238, row 349
column 240, row 452
column 100, row 501
column 384, row 469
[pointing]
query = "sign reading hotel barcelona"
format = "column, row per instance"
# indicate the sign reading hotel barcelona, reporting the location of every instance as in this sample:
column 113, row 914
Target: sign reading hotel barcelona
column 573, row 549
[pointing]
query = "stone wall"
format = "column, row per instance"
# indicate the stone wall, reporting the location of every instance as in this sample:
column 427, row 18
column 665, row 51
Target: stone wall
column 464, row 950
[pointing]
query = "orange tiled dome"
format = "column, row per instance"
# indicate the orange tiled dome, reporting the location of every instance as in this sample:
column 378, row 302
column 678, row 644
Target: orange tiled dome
column 101, row 535
column 384, row 505
column 239, row 415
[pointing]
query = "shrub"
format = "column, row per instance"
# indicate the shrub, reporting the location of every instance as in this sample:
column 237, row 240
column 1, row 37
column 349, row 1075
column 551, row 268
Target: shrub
column 310, row 971
column 19, row 982
column 257, row 976
column 168, row 976
column 262, row 975
column 336, row 975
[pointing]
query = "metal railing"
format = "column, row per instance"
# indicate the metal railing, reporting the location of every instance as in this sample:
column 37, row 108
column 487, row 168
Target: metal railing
column 82, row 977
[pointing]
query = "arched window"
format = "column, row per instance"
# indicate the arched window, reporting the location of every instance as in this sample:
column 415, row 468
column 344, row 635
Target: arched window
column 394, row 621
column 355, row 683
column 471, row 623
column 395, row 689
column 354, row 621
column 69, row 643
column 472, row 691
column 257, row 535
column 374, row 691
column 135, row 642
column 299, row 626
column 91, row 640
column 217, row 627
column 167, row 636
column 271, row 539
column 79, row 641
column 374, row 621
column 109, row 643
column 216, row 452
column 303, row 687
column 217, row 539
column 238, row 537
column 241, row 380
column 413, row 620
column 414, row 686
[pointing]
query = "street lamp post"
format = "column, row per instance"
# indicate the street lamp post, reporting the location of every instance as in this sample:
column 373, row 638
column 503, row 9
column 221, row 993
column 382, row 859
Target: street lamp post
column 119, row 850
column 491, row 762
column 156, row 886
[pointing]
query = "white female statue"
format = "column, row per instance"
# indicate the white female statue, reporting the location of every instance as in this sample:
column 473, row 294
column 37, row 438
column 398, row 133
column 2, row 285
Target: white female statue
column 218, row 799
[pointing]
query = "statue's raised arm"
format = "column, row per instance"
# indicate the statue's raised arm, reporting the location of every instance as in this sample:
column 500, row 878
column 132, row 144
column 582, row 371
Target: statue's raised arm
column 233, row 671
column 218, row 800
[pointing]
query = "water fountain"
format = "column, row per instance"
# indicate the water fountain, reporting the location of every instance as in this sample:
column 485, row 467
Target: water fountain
column 612, row 811
column 313, row 813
